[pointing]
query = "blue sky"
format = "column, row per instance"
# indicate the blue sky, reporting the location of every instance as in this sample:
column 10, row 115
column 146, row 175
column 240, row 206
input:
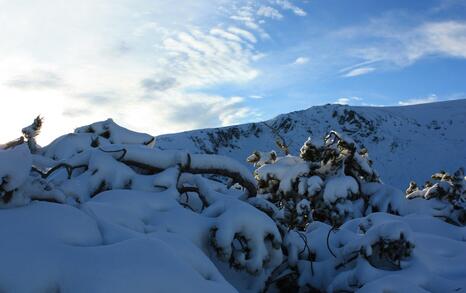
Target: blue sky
column 163, row 66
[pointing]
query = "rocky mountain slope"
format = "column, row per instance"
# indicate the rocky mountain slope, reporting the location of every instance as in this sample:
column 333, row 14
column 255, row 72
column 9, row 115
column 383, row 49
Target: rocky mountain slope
column 405, row 143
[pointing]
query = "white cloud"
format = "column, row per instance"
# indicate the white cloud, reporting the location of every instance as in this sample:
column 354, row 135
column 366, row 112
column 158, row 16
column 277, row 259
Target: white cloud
column 360, row 64
column 403, row 46
column 359, row 71
column 429, row 99
column 301, row 61
column 287, row 5
column 224, row 34
column 447, row 38
column 256, row 97
column 195, row 58
column 243, row 34
column 246, row 16
column 343, row 101
column 348, row 100
column 269, row 12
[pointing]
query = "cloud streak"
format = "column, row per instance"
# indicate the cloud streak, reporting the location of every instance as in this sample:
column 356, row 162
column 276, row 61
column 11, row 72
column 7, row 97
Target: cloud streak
column 415, row 101
column 359, row 71
column 37, row 79
column 287, row 5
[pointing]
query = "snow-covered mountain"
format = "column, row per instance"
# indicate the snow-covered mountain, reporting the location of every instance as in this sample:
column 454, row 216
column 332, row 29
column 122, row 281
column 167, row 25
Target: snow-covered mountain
column 405, row 143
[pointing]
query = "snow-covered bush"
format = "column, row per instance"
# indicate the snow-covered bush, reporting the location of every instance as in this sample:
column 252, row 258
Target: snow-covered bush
column 446, row 196
column 106, row 161
column 323, row 183
column 380, row 253
column 331, row 194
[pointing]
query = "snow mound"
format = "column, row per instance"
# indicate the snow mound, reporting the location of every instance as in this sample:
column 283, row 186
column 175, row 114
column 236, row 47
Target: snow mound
column 368, row 254
column 340, row 188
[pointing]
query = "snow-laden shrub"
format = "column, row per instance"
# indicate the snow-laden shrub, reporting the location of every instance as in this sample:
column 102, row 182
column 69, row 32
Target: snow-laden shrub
column 378, row 253
column 324, row 183
column 103, row 158
column 331, row 182
column 446, row 196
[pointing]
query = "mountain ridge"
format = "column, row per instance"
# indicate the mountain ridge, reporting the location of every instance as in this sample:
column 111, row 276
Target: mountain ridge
column 405, row 142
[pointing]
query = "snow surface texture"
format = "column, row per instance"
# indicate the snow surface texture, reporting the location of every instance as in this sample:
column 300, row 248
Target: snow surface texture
column 113, row 217
column 402, row 140
column 102, row 210
column 429, row 255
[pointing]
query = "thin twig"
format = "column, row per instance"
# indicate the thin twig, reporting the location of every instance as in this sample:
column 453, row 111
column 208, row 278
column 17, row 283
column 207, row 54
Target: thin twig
column 328, row 237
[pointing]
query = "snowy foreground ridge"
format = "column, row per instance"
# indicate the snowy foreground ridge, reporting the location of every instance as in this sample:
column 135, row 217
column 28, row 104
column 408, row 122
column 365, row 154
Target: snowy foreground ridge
column 103, row 210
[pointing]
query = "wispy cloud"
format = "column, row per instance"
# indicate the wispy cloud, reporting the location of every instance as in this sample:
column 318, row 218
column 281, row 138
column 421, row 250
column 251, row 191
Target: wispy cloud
column 158, row 84
column 348, row 100
column 429, row 99
column 269, row 12
column 285, row 4
column 445, row 5
column 37, row 79
column 246, row 16
column 243, row 34
column 359, row 71
column 402, row 46
column 197, row 58
column 343, row 101
column 360, row 64
column 301, row 61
